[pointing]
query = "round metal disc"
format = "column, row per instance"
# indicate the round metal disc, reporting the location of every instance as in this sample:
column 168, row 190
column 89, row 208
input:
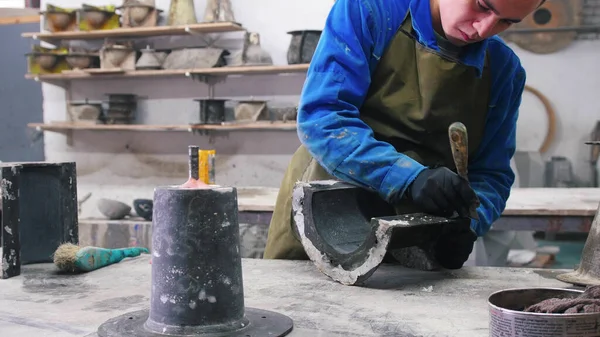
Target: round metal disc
column 552, row 14
column 261, row 323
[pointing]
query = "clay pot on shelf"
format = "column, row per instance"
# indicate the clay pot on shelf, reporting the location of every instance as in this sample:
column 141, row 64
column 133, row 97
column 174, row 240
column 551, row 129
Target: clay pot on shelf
column 46, row 60
column 254, row 54
column 150, row 59
column 81, row 61
column 115, row 54
column 212, row 110
column 87, row 112
column 302, row 46
column 94, row 16
column 181, row 12
column 59, row 20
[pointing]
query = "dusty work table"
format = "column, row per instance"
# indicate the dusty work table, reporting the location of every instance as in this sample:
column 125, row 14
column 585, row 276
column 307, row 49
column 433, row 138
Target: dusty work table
column 396, row 302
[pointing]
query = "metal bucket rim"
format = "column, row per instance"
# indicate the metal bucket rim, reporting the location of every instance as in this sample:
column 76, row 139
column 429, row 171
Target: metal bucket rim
column 493, row 306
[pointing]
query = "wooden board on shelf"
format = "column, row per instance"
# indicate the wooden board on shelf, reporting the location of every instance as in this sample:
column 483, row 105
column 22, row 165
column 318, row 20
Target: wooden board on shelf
column 93, row 71
column 64, row 126
column 522, row 201
column 216, row 27
column 553, row 201
column 243, row 70
column 219, row 71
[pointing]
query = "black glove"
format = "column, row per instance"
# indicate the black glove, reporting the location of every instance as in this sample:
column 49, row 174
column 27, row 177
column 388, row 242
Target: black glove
column 441, row 192
column 454, row 245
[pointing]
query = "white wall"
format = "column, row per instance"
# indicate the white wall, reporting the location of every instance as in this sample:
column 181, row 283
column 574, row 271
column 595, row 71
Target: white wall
column 127, row 165
column 12, row 3
column 569, row 79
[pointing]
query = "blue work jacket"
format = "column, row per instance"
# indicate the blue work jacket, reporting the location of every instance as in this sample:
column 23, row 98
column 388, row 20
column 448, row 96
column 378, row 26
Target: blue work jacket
column 356, row 35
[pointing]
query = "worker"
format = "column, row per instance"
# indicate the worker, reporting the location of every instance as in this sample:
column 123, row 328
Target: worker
column 386, row 80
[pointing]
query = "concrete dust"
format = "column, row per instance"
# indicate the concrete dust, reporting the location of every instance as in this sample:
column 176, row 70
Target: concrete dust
column 391, row 303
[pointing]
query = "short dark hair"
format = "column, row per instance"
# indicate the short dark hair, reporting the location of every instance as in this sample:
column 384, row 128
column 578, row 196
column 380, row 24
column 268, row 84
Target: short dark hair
column 542, row 3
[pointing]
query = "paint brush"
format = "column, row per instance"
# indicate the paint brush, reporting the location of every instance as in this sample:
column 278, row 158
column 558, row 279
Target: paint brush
column 459, row 143
column 72, row 258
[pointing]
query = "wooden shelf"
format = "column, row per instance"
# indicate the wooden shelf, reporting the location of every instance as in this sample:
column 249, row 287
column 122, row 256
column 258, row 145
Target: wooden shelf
column 219, row 71
column 217, row 27
column 253, row 126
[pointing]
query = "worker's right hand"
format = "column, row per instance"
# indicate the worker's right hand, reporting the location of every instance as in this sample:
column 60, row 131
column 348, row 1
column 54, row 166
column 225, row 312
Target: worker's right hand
column 440, row 191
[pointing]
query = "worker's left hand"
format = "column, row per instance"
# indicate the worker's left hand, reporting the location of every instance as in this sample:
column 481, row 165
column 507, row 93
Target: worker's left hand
column 454, row 246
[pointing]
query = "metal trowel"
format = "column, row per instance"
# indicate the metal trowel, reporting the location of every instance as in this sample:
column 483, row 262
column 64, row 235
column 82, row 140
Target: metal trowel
column 459, row 142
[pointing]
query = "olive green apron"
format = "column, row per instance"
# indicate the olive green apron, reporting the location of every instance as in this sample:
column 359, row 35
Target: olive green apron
column 415, row 94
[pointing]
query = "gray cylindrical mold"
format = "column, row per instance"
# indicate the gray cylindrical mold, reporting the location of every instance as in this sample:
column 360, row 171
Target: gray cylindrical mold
column 197, row 281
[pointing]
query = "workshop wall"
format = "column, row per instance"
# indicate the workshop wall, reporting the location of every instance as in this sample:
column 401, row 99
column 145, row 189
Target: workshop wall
column 568, row 78
column 21, row 99
column 127, row 165
column 12, row 4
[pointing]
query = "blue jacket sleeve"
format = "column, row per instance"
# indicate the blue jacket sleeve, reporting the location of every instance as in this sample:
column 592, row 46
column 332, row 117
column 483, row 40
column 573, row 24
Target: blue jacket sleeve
column 490, row 173
column 353, row 39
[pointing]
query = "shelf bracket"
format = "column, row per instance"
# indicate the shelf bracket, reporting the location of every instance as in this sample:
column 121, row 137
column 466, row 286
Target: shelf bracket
column 211, row 134
column 210, row 80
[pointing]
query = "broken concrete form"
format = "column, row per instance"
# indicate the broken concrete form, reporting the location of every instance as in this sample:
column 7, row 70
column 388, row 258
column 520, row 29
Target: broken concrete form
column 347, row 230
column 197, row 287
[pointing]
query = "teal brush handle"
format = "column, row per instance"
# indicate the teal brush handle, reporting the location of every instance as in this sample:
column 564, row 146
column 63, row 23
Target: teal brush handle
column 92, row 258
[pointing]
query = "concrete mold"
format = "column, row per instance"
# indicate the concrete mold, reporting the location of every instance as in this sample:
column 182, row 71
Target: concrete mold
column 197, row 285
column 38, row 203
column 347, row 231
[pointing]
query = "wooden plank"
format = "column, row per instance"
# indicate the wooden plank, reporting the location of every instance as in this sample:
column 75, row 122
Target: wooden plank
column 219, row 71
column 216, row 27
column 63, row 126
column 522, row 201
column 553, row 201
column 257, row 199
column 243, row 70
column 93, row 71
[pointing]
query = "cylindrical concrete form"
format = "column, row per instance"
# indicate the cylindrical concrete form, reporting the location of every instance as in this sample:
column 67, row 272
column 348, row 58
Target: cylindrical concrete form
column 196, row 265
column 197, row 287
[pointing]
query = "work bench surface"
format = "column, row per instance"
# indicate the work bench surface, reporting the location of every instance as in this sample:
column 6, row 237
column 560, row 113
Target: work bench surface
column 395, row 301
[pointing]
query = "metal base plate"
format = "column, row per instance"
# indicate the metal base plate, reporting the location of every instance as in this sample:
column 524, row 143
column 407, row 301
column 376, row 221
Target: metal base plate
column 261, row 323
